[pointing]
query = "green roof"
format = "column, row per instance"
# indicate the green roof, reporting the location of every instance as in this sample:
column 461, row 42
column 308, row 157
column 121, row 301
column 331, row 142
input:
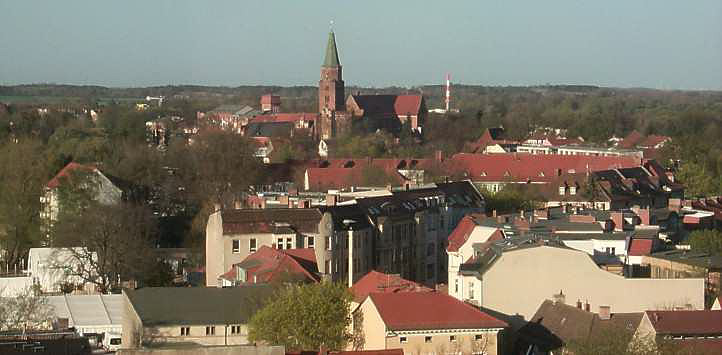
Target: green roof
column 331, row 60
column 197, row 305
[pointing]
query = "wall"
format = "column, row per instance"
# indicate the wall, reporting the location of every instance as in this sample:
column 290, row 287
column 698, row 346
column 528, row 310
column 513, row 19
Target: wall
column 14, row 286
column 172, row 334
column 520, row 280
column 215, row 262
column 465, row 342
column 211, row 350
column 372, row 326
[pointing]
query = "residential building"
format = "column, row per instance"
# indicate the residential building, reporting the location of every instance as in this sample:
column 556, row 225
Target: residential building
column 426, row 322
column 683, row 264
column 699, row 332
column 233, row 235
column 559, row 323
column 270, row 265
column 201, row 315
column 542, row 269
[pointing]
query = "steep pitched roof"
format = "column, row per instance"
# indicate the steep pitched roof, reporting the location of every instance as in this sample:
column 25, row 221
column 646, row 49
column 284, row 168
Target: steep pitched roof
column 375, row 281
column 461, row 233
column 331, row 59
column 268, row 264
column 407, row 104
column 686, row 322
column 67, row 171
column 429, row 310
column 639, row 246
column 389, row 105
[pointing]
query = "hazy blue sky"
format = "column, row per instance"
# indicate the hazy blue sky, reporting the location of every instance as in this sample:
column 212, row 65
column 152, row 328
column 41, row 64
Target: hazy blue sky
column 626, row 43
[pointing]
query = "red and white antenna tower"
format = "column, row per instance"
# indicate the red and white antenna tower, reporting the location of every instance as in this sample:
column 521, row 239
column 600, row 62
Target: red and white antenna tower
column 448, row 91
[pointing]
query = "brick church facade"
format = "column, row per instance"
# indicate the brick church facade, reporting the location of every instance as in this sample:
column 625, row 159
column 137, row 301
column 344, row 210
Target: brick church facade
column 336, row 113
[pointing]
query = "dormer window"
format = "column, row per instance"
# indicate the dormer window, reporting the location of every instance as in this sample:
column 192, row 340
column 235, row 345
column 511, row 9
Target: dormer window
column 562, row 190
column 483, row 173
column 541, row 173
column 573, row 190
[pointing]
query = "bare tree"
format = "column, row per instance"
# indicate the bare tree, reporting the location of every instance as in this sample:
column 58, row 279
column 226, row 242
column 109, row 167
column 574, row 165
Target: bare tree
column 108, row 243
column 26, row 311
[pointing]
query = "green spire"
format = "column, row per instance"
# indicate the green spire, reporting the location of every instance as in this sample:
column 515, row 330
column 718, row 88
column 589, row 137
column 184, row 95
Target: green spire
column 331, row 60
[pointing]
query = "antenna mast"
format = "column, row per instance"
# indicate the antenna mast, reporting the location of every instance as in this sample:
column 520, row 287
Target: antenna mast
column 448, row 91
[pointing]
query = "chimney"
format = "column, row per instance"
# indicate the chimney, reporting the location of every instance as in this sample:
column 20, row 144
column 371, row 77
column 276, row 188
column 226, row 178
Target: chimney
column 237, row 204
column 439, row 155
column 331, row 200
column 579, row 303
column 559, row 298
column 605, row 312
column 493, row 213
column 586, row 306
column 216, row 207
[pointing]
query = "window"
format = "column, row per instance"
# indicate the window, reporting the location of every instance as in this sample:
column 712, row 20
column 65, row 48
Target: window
column 114, row 341
column 403, row 340
column 279, row 243
column 310, row 242
column 572, row 190
column 236, row 246
column 478, row 337
column 456, row 286
column 289, row 243
column 452, row 338
column 210, row 330
column 471, row 290
column 235, row 329
column 430, row 249
column 252, row 245
column 611, row 251
column 328, row 243
column 427, row 339
column 562, row 190
column 185, row 331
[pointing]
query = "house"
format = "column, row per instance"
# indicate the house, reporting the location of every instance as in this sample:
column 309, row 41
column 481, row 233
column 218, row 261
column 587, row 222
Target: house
column 700, row 331
column 636, row 140
column 541, row 269
column 491, row 141
column 269, row 265
column 683, row 264
column 388, row 112
column 89, row 314
column 233, row 235
column 353, row 173
column 227, row 117
column 426, row 322
column 201, row 315
column 104, row 189
column 563, row 323
column 270, row 103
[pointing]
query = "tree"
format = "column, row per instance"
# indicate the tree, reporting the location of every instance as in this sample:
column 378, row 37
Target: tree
column 707, row 240
column 26, row 311
column 697, row 179
column 303, row 317
column 110, row 243
column 22, row 174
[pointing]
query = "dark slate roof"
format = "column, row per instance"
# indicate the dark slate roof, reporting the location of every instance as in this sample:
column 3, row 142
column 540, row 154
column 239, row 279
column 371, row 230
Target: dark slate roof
column 347, row 216
column 331, row 60
column 167, row 306
column 693, row 258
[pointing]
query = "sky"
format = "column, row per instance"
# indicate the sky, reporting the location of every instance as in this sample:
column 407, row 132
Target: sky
column 129, row 43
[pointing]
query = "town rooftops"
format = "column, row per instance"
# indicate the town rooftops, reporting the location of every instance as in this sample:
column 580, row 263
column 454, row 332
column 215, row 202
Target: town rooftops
column 167, row 306
column 389, row 105
column 429, row 310
column 248, row 221
column 686, row 323
column 374, row 282
column 570, row 323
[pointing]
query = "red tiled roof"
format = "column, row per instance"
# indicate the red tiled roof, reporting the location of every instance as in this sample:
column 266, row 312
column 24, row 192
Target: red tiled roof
column 686, row 322
column 638, row 247
column 631, row 140
column 66, row 172
column 407, row 105
column 266, row 264
column 376, row 281
column 429, row 310
column 532, row 167
column 461, row 233
column 284, row 117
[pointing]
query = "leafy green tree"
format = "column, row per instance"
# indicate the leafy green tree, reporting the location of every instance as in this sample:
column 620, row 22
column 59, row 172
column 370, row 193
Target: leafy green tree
column 698, row 180
column 303, row 317
column 707, row 240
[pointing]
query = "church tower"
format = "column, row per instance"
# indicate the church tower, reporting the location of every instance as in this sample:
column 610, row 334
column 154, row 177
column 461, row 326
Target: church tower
column 331, row 98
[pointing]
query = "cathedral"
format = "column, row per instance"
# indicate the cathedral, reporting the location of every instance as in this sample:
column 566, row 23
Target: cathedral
column 337, row 112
